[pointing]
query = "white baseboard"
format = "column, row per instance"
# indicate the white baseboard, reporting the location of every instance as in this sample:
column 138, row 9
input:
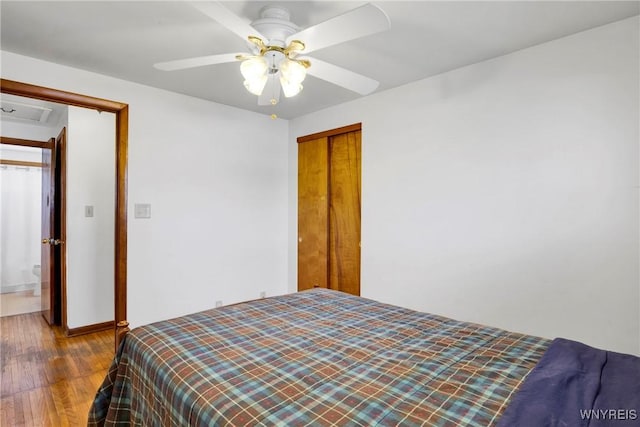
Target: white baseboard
column 6, row 289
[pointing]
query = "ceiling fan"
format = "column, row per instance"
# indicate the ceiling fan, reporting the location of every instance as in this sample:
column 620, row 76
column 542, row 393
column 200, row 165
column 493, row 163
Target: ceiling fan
column 278, row 48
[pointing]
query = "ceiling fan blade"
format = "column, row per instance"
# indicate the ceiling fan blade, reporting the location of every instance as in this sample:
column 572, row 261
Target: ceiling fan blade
column 198, row 61
column 226, row 18
column 359, row 22
column 271, row 91
column 342, row 77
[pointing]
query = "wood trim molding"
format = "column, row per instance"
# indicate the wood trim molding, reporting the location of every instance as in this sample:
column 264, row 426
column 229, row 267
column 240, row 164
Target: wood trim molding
column 61, row 181
column 122, row 156
column 60, row 96
column 121, row 111
column 329, row 133
column 24, row 142
column 89, row 329
column 20, row 163
column 122, row 328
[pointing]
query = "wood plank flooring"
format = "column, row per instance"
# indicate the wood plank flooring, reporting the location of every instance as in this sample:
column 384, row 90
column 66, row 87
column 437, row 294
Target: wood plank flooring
column 48, row 379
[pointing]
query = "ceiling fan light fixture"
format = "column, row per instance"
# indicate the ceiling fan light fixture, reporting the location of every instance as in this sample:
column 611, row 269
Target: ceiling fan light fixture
column 273, row 66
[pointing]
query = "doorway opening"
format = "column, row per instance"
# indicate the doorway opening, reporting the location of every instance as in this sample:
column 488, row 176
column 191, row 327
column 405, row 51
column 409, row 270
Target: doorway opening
column 121, row 111
column 20, row 186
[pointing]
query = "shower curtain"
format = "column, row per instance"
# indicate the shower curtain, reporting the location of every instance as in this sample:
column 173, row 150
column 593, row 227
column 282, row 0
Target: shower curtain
column 20, row 220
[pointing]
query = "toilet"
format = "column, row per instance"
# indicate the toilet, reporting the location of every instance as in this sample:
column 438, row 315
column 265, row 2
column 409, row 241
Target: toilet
column 36, row 272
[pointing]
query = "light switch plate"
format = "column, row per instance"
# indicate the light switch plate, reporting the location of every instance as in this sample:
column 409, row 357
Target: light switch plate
column 88, row 211
column 142, row 210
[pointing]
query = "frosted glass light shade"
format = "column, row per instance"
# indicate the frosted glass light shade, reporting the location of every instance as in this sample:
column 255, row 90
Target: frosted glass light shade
column 290, row 89
column 255, row 71
column 254, row 68
column 256, row 86
column 293, row 71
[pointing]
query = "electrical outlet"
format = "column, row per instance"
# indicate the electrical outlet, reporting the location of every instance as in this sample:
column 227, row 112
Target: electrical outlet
column 263, row 294
column 88, row 211
column 218, row 304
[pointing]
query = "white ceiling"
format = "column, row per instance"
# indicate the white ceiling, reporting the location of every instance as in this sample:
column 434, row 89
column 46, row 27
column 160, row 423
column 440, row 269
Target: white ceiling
column 125, row 39
column 29, row 111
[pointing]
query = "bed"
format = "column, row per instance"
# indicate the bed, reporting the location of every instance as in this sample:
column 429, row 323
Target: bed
column 322, row 357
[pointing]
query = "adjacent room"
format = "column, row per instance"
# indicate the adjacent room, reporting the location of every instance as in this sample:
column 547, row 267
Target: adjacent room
column 427, row 160
column 20, row 250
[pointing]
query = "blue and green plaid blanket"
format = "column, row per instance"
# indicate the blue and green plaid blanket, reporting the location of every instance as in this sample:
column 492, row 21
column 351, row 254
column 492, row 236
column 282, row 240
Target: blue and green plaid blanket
column 317, row 357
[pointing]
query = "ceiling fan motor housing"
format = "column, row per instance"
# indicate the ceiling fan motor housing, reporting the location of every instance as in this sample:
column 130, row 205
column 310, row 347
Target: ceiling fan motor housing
column 274, row 24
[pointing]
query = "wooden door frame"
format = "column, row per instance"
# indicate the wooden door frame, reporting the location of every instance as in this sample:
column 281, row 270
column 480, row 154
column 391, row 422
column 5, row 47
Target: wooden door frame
column 61, row 220
column 50, row 302
column 331, row 132
column 121, row 111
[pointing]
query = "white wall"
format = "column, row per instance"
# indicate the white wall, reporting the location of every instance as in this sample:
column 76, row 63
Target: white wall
column 216, row 179
column 505, row 192
column 31, row 131
column 90, row 244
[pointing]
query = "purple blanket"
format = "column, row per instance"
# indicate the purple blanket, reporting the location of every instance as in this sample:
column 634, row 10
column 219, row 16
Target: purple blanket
column 577, row 385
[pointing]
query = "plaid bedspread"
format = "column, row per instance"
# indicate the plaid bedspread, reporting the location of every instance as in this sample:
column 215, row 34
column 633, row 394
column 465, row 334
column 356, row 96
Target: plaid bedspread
column 317, row 357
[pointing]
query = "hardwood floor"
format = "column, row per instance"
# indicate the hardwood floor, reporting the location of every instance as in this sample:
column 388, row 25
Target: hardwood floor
column 48, row 379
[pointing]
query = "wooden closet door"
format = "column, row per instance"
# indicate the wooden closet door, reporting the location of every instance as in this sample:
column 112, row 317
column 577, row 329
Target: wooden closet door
column 344, row 213
column 329, row 210
column 313, row 208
